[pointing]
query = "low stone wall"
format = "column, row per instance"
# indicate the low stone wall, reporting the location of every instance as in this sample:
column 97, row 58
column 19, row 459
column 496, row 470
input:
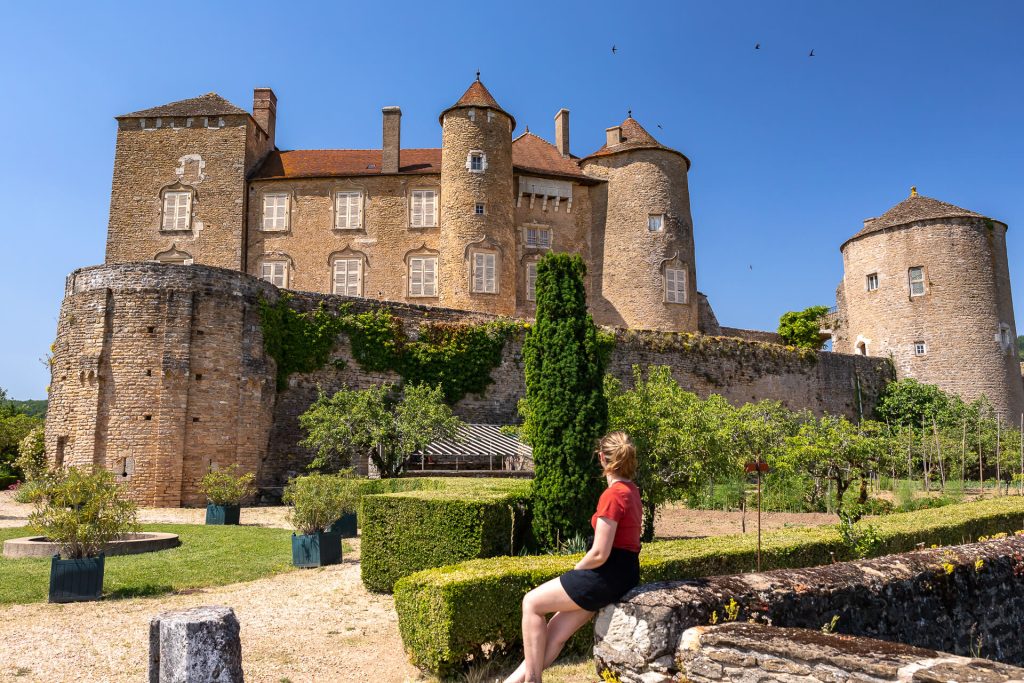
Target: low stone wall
column 967, row 600
column 751, row 653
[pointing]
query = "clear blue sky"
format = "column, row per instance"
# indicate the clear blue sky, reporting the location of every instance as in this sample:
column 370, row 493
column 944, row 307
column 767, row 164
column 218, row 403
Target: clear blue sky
column 790, row 153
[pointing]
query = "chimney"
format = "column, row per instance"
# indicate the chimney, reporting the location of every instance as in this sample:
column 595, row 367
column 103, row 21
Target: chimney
column 264, row 110
column 392, row 140
column 562, row 132
column 613, row 136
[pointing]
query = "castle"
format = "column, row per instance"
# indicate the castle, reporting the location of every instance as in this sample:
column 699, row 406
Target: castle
column 159, row 372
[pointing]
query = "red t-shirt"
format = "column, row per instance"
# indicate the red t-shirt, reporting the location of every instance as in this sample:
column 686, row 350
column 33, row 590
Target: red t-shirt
column 620, row 502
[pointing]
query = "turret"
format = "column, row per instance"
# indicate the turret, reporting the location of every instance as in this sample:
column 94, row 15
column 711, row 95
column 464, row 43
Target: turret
column 477, row 240
column 644, row 271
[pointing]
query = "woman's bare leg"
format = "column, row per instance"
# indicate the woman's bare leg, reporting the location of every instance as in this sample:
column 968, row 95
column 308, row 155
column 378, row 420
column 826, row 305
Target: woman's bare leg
column 561, row 627
column 546, row 598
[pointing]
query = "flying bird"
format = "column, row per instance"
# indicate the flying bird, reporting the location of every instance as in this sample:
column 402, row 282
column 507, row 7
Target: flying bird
column 812, row 54
column 614, row 49
column 757, row 46
column 659, row 127
column 751, row 266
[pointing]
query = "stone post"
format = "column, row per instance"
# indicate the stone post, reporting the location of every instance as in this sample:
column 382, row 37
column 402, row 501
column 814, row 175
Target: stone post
column 198, row 645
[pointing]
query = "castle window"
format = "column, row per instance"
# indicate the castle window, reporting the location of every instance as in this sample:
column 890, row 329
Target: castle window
column 538, row 238
column 484, row 268
column 531, row 281
column 348, row 212
column 916, row 276
column 275, row 272
column 872, row 282
column 476, row 161
column 862, row 349
column 423, row 276
column 275, row 211
column 920, row 348
column 675, row 285
column 424, row 209
column 656, row 222
column 1005, row 337
column 177, row 210
column 348, row 276
column 471, row 114
column 125, row 468
column 479, row 209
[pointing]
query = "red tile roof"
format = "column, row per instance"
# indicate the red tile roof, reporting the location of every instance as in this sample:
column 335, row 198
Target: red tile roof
column 634, row 136
column 533, row 154
column 326, row 163
column 477, row 95
column 210, row 104
column 912, row 209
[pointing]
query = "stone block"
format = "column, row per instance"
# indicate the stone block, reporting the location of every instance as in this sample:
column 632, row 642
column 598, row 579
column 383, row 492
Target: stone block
column 198, row 645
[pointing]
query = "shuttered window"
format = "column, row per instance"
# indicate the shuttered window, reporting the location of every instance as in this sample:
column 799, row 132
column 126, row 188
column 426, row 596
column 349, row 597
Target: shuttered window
column 423, row 213
column 423, row 276
column 348, row 276
column 348, row 210
column 275, row 212
column 539, row 238
column 275, row 272
column 531, row 281
column 483, row 273
column 675, row 286
column 177, row 211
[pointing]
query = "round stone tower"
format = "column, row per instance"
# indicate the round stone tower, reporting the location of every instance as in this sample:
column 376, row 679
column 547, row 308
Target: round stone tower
column 477, row 241
column 644, row 272
column 927, row 284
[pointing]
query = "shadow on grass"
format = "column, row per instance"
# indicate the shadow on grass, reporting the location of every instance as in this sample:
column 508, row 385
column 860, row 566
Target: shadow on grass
column 147, row 590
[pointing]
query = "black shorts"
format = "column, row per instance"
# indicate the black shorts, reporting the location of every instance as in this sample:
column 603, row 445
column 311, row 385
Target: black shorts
column 593, row 589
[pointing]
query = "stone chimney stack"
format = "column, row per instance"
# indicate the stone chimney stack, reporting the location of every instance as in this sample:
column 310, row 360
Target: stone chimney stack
column 613, row 136
column 392, row 139
column 264, row 110
column 562, row 132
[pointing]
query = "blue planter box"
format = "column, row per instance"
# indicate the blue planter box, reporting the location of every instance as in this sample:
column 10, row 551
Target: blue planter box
column 345, row 527
column 316, row 550
column 223, row 514
column 76, row 580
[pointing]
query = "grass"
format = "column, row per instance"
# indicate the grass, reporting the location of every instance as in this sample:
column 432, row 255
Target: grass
column 207, row 556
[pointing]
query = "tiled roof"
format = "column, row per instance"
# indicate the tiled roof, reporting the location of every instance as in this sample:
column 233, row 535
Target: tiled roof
column 325, row 163
column 912, row 209
column 210, row 104
column 634, row 136
column 534, row 154
column 477, row 95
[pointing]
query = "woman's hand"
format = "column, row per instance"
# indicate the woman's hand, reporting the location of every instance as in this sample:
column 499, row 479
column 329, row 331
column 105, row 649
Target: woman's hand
column 604, row 535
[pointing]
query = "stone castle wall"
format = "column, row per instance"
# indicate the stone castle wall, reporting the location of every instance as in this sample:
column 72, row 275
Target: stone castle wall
column 165, row 365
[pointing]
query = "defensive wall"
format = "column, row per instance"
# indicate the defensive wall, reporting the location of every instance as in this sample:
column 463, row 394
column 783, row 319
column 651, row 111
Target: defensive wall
column 159, row 373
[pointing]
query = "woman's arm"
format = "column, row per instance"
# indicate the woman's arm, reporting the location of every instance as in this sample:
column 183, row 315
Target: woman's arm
column 604, row 534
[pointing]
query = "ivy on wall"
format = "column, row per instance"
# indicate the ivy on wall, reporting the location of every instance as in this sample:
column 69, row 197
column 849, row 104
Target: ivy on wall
column 458, row 357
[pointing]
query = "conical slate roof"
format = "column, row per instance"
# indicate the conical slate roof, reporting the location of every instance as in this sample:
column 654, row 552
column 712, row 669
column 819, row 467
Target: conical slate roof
column 912, row 209
column 210, row 104
column 634, row 136
column 477, row 95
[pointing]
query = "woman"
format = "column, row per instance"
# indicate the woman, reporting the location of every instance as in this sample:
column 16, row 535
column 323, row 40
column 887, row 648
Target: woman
column 609, row 570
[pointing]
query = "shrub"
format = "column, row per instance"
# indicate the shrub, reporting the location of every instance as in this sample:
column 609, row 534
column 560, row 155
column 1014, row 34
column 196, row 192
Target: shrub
column 82, row 511
column 32, row 455
column 318, row 500
column 445, row 521
column 227, row 487
column 802, row 328
column 449, row 614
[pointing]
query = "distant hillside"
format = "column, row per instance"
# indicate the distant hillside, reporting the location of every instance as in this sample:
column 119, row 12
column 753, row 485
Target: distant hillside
column 35, row 408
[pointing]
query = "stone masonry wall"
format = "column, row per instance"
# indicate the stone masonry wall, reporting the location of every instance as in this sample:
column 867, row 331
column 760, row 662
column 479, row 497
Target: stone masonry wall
column 964, row 600
column 165, row 365
column 752, row 653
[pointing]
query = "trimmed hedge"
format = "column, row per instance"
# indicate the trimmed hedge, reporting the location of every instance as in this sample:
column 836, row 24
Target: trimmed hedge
column 435, row 521
column 450, row 614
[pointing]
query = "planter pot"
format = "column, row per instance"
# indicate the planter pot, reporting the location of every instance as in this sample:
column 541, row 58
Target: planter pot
column 76, row 580
column 222, row 514
column 345, row 527
column 316, row 550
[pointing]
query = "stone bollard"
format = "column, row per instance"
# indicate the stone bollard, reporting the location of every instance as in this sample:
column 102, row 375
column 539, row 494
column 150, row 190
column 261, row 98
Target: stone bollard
column 198, row 645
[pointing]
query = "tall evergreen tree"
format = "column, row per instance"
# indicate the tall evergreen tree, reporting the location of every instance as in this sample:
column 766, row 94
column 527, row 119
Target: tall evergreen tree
column 565, row 408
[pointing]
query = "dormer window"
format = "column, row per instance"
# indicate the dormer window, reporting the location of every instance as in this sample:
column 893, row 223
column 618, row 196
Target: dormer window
column 656, row 222
column 177, row 210
column 476, row 162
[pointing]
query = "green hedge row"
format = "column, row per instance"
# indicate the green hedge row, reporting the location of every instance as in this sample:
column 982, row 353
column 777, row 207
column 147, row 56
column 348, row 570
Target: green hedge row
column 450, row 614
column 435, row 522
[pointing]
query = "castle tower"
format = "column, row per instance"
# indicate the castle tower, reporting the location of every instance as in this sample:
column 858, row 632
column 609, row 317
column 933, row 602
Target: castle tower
column 643, row 269
column 179, row 185
column 477, row 240
column 928, row 284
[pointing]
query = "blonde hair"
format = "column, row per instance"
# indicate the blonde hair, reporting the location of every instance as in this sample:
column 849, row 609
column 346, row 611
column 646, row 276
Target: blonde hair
column 619, row 455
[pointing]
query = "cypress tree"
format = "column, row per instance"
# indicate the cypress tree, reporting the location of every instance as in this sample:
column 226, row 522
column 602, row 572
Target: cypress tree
column 565, row 409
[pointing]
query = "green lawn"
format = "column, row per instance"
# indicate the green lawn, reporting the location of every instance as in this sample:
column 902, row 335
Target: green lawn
column 207, row 556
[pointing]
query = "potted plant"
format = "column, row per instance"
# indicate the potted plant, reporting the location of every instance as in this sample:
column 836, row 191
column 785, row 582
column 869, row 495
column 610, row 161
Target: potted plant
column 347, row 524
column 318, row 501
column 225, row 490
column 81, row 512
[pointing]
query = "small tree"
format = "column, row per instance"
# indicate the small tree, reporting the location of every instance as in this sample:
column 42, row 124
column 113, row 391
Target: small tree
column 803, row 328
column 352, row 423
column 318, row 500
column 32, row 455
column 566, row 410
column 227, row 486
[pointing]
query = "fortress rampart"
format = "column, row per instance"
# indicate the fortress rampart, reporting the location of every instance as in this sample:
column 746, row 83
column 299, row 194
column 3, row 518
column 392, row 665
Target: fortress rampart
column 159, row 374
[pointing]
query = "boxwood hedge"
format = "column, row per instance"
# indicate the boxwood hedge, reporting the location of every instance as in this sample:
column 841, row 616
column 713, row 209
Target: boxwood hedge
column 437, row 521
column 453, row 613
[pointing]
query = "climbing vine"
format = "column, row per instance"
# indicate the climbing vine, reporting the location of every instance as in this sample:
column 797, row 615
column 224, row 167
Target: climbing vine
column 298, row 342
